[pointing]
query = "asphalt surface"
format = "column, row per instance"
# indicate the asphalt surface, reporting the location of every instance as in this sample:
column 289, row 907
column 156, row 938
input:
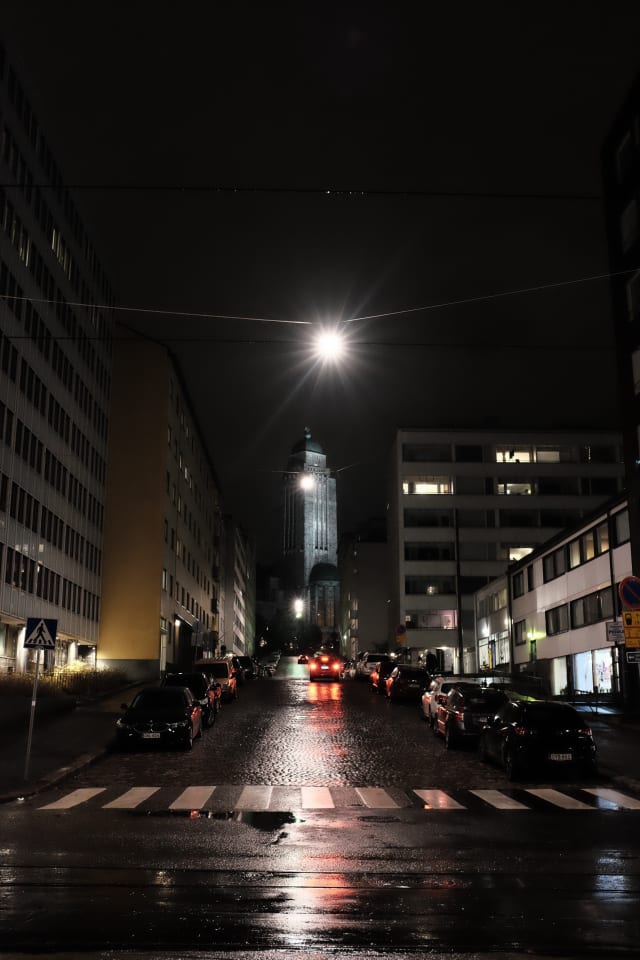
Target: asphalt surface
column 64, row 743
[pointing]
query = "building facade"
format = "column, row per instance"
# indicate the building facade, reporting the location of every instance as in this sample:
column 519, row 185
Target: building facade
column 163, row 521
column 363, row 565
column 310, row 535
column 55, row 384
column 549, row 615
column 237, row 633
column 464, row 504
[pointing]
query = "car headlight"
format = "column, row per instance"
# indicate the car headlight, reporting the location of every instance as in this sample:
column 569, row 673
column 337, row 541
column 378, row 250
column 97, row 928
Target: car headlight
column 122, row 725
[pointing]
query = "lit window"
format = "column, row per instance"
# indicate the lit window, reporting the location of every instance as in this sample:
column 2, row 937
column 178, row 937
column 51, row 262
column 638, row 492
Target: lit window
column 427, row 486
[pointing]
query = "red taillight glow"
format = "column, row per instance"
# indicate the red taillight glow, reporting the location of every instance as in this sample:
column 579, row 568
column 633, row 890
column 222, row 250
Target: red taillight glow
column 325, row 659
column 520, row 731
column 313, row 666
column 335, row 666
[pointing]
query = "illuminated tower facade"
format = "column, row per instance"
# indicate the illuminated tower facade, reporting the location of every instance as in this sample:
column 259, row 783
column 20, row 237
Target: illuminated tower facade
column 310, row 533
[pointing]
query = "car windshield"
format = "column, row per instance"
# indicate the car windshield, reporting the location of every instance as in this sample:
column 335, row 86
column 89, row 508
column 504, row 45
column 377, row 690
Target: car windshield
column 158, row 699
column 194, row 681
column 219, row 670
column 546, row 717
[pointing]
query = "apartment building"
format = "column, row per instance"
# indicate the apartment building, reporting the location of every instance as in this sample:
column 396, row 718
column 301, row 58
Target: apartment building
column 363, row 568
column 464, row 504
column 239, row 624
column 163, row 562
column 55, row 383
column 550, row 614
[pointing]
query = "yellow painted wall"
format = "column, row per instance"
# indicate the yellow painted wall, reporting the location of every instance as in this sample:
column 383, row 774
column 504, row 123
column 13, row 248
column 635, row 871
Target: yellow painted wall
column 136, row 500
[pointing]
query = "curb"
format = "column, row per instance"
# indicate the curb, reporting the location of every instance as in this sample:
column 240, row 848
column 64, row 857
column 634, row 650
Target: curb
column 57, row 776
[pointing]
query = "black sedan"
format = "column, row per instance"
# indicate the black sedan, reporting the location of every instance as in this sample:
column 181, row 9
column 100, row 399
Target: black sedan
column 536, row 735
column 207, row 692
column 169, row 716
column 406, row 682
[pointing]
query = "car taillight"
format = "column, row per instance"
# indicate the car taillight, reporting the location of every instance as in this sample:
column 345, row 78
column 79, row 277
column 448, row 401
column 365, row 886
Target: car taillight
column 313, row 666
column 585, row 732
column 325, row 659
column 521, row 731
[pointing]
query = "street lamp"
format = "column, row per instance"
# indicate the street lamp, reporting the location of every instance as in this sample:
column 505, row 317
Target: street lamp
column 330, row 345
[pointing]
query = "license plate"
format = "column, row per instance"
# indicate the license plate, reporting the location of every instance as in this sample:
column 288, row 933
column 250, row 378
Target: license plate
column 481, row 719
column 324, row 668
column 560, row 756
column 150, row 736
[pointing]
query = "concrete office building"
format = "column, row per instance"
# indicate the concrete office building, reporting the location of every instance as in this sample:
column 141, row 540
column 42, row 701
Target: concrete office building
column 162, row 544
column 363, row 565
column 237, row 631
column 55, row 382
column 549, row 615
column 464, row 504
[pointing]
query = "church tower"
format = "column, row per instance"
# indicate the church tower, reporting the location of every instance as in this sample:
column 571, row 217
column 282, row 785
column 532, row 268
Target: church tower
column 310, row 534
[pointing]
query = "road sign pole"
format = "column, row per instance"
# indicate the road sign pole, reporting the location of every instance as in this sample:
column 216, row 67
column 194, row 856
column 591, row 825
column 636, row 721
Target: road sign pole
column 32, row 716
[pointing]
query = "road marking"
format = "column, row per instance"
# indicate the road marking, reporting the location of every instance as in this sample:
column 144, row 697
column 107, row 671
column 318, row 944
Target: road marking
column 560, row 799
column 131, row 799
column 376, row 798
column 74, row 798
column 613, row 796
column 438, row 800
column 495, row 798
column 316, row 798
column 193, row 798
column 254, row 798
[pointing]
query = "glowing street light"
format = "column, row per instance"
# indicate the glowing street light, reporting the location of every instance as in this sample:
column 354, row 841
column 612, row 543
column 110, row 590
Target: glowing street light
column 330, row 345
column 298, row 607
column 307, row 482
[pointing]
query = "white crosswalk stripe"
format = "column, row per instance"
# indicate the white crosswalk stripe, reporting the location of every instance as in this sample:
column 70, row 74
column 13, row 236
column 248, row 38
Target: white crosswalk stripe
column 193, row 798
column 438, row 800
column 499, row 800
column 132, row 798
column 262, row 797
column 74, row 798
column 560, row 799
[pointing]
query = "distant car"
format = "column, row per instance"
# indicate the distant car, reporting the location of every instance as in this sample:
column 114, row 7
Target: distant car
column 324, row 666
column 536, row 735
column 236, row 666
column 379, row 674
column 303, row 658
column 465, row 712
column 436, row 694
column 207, row 692
column 168, row 716
column 406, row 682
column 366, row 663
column 248, row 667
column 222, row 672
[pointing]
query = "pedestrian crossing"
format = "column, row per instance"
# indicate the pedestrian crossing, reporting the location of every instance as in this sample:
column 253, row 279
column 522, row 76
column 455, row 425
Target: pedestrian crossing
column 260, row 797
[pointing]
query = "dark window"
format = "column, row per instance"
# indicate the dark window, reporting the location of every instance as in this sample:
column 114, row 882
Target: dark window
column 468, row 453
column 557, row 620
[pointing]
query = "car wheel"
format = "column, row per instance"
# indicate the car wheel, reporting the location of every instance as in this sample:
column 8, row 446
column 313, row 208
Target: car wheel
column 449, row 739
column 188, row 741
column 511, row 765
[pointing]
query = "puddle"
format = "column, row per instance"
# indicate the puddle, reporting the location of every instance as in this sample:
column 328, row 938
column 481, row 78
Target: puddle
column 260, row 819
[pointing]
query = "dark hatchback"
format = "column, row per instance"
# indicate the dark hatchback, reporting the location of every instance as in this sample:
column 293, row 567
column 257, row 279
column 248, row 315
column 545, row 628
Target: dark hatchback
column 536, row 735
column 465, row 712
column 164, row 716
column 406, row 682
column 207, row 692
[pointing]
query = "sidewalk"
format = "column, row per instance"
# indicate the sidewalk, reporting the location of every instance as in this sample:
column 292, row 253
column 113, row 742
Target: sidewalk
column 65, row 743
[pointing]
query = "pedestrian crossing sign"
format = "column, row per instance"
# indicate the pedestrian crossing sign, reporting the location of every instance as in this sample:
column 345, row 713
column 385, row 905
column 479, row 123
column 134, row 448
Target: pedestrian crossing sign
column 41, row 633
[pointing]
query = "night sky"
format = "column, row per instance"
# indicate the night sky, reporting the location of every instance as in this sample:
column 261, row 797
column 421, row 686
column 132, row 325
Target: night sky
column 327, row 162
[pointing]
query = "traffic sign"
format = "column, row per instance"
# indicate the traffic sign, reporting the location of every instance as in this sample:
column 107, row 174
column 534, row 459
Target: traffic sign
column 629, row 593
column 41, row 633
column 615, row 631
column 633, row 656
column 631, row 621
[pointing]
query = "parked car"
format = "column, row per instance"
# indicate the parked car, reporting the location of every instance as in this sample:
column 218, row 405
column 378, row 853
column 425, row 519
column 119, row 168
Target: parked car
column 324, row 666
column 160, row 715
column 406, row 682
column 366, row 663
column 221, row 671
column 207, row 692
column 533, row 735
column 465, row 712
column 303, row 658
column 236, row 666
column 436, row 694
column 248, row 667
column 379, row 674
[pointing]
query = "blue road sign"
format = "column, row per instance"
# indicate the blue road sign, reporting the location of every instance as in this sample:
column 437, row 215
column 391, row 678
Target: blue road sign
column 629, row 593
